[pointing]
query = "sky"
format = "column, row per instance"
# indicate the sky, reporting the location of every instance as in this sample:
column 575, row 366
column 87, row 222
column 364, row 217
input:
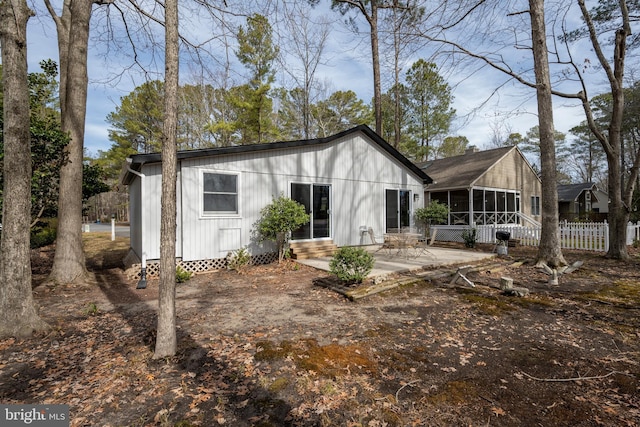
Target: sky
column 347, row 67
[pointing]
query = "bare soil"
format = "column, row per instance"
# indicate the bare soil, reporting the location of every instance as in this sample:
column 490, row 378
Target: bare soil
column 269, row 347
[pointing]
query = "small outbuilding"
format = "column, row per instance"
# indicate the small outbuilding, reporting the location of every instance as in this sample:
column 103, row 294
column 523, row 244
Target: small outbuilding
column 348, row 183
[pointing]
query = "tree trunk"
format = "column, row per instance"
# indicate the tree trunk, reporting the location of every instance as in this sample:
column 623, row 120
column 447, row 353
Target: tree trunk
column 166, row 341
column 549, row 251
column 618, row 210
column 375, row 56
column 73, row 41
column 18, row 316
column 612, row 141
column 396, row 86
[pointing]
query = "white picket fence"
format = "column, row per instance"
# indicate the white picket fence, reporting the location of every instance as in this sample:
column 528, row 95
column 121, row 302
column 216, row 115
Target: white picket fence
column 590, row 236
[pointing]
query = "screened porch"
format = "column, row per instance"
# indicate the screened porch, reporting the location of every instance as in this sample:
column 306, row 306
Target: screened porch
column 480, row 206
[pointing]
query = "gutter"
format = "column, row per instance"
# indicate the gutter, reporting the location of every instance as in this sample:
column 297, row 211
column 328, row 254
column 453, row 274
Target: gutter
column 142, row 283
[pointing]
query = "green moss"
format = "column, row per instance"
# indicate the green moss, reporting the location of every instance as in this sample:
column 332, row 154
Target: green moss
column 268, row 351
column 334, row 360
column 489, row 305
column 533, row 301
column 621, row 292
column 455, row 393
column 278, row 384
column 330, row 361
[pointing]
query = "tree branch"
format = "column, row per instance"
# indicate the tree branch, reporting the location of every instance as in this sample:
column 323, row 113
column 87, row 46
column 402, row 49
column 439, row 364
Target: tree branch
column 504, row 69
column 556, row 380
column 593, row 36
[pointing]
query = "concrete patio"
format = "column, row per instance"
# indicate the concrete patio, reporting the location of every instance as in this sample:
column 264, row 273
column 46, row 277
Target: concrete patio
column 386, row 264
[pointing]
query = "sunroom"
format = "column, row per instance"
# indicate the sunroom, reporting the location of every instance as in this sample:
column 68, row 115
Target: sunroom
column 482, row 188
column 480, row 206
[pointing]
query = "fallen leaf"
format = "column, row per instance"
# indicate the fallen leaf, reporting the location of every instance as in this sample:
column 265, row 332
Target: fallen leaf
column 498, row 411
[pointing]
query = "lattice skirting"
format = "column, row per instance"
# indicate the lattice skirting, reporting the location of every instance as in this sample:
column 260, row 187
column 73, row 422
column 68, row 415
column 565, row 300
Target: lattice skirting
column 133, row 264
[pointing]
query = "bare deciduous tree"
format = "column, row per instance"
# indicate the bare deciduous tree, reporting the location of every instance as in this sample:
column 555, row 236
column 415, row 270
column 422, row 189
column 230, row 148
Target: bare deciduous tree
column 72, row 26
column 18, row 316
column 306, row 42
column 610, row 137
column 549, row 250
column 166, row 340
column 608, row 17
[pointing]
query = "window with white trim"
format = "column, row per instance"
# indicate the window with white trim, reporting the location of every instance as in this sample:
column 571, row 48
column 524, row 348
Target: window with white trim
column 535, row 205
column 220, row 193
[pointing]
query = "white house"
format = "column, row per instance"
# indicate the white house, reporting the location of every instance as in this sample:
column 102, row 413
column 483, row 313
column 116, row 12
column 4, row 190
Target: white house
column 348, row 182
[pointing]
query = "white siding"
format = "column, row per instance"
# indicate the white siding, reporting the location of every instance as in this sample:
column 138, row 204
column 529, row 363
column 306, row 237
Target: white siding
column 135, row 216
column 356, row 168
column 151, row 196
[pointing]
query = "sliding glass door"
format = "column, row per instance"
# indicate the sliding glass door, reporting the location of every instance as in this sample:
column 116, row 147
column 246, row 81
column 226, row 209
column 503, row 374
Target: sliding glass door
column 397, row 209
column 316, row 199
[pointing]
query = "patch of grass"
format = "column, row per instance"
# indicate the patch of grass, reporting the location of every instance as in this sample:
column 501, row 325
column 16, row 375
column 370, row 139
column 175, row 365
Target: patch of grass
column 92, row 309
column 334, row 360
column 102, row 252
column 533, row 301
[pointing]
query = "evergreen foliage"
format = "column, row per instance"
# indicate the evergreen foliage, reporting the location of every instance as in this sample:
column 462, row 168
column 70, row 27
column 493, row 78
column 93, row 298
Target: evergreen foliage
column 434, row 213
column 278, row 219
column 47, row 141
column 351, row 264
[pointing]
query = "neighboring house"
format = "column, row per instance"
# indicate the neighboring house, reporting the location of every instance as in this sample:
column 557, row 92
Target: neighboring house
column 600, row 205
column 496, row 186
column 582, row 201
column 348, row 182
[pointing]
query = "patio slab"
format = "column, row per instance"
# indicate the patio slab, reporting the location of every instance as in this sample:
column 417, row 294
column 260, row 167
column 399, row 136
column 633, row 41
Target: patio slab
column 386, row 265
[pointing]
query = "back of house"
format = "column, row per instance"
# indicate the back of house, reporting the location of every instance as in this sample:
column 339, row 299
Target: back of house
column 348, row 183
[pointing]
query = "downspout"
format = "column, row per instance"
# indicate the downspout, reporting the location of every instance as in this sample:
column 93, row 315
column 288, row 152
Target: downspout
column 142, row 283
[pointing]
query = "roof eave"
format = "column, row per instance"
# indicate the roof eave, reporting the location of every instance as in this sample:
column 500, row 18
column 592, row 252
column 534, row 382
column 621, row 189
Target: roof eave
column 138, row 160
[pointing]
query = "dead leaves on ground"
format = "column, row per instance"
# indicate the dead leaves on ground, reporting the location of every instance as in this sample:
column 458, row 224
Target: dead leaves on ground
column 423, row 356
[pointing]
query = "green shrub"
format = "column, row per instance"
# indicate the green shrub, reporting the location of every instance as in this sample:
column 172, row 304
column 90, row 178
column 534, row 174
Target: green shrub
column 469, row 237
column 42, row 237
column 182, row 275
column 278, row 219
column 434, row 213
column 238, row 259
column 351, row 264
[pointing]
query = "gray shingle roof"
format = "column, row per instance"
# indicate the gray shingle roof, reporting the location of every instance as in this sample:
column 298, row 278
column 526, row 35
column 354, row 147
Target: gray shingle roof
column 571, row 192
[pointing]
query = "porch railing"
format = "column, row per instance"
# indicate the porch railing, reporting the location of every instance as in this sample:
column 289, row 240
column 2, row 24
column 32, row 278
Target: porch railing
column 590, row 236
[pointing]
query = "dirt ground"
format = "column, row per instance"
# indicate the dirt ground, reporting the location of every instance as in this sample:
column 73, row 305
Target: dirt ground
column 269, row 347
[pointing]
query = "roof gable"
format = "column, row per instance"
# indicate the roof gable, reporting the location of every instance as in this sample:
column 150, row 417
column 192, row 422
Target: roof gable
column 464, row 170
column 136, row 161
column 571, row 192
